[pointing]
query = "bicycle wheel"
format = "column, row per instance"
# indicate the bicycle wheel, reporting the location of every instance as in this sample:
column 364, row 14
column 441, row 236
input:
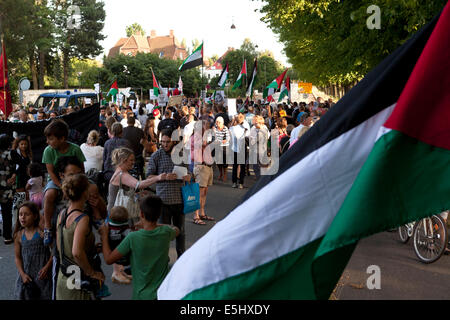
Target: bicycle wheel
column 403, row 233
column 430, row 239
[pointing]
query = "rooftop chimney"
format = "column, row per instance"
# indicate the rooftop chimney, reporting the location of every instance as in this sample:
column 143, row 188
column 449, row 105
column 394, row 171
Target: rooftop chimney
column 171, row 33
column 153, row 33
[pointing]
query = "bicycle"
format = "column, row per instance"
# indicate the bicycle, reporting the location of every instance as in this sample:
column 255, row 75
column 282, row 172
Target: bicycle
column 430, row 237
column 406, row 231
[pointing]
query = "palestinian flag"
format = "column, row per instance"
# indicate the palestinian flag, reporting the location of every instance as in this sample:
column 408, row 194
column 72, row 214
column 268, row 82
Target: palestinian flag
column 223, row 77
column 285, row 89
column 156, row 86
column 374, row 161
column 274, row 85
column 249, row 92
column 5, row 93
column 240, row 77
column 194, row 60
column 113, row 91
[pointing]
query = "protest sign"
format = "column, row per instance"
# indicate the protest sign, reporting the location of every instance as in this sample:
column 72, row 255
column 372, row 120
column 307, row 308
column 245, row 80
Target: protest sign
column 174, row 100
column 231, row 107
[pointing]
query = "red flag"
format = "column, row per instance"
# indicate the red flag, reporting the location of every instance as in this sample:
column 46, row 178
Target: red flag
column 5, row 95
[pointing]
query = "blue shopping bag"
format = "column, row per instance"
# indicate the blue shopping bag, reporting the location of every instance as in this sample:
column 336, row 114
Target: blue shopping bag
column 191, row 197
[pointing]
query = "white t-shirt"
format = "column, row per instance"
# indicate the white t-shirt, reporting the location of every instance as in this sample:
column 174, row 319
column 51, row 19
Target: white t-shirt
column 124, row 123
column 238, row 133
column 149, row 108
column 94, row 157
column 294, row 133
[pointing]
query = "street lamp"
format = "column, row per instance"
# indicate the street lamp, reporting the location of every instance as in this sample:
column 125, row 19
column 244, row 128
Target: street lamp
column 79, row 79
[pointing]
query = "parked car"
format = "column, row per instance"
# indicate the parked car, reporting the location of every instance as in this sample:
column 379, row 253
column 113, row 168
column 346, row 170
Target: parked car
column 61, row 100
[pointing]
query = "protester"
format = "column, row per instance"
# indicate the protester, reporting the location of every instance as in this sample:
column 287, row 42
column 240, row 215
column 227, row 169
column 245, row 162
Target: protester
column 167, row 122
column 123, row 160
column 7, row 187
column 142, row 114
column 259, row 135
column 203, row 172
column 92, row 152
column 238, row 133
column 115, row 142
column 130, row 114
column 148, row 249
column 169, row 189
column 77, row 238
column 58, row 146
column 33, row 259
column 222, row 135
column 35, row 185
column 134, row 136
column 150, row 140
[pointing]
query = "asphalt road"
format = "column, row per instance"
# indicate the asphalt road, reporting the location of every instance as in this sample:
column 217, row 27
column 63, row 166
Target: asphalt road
column 222, row 198
column 402, row 276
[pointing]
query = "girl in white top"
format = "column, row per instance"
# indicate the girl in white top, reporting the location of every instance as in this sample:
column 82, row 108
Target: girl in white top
column 92, row 152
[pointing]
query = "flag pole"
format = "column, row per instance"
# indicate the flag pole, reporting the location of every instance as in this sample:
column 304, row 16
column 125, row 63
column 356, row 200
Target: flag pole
column 201, row 90
column 4, row 74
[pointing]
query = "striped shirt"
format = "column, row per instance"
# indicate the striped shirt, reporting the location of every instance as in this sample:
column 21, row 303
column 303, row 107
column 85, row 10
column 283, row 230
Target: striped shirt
column 169, row 191
column 221, row 135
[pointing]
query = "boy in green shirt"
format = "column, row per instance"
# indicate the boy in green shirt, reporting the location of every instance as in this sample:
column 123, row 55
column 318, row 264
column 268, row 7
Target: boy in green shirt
column 148, row 249
column 58, row 146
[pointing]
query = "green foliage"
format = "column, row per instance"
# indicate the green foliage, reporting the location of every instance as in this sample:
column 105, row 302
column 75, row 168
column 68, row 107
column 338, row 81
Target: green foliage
column 135, row 27
column 140, row 66
column 328, row 41
column 268, row 68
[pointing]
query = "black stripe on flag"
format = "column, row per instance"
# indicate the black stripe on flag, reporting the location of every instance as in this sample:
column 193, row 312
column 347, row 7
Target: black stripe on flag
column 379, row 89
column 191, row 64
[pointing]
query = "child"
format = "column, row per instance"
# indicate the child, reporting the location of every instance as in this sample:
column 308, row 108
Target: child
column 35, row 185
column 56, row 132
column 148, row 249
column 118, row 229
column 33, row 259
column 76, row 243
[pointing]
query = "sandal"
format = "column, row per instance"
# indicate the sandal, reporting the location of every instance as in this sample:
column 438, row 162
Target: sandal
column 198, row 221
column 207, row 218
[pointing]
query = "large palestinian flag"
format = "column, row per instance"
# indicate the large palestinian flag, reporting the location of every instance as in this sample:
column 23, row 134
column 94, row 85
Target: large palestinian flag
column 194, row 60
column 376, row 160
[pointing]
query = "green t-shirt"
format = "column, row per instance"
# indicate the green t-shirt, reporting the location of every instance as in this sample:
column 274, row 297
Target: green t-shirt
column 149, row 259
column 51, row 155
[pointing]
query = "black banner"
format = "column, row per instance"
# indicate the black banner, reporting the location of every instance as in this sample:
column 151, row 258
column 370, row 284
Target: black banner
column 82, row 121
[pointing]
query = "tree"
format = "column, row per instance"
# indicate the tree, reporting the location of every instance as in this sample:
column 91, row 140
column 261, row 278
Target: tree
column 135, row 28
column 140, row 66
column 329, row 41
column 80, row 38
column 268, row 68
column 28, row 29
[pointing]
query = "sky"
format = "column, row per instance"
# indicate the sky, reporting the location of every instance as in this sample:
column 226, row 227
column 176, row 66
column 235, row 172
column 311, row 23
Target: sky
column 207, row 20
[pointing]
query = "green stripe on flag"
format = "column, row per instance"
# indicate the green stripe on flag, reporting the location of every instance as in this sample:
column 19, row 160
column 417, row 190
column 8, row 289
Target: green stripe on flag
column 271, row 281
column 403, row 180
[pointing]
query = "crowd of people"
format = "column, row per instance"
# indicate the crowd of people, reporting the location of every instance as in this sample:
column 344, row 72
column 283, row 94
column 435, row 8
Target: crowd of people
column 121, row 184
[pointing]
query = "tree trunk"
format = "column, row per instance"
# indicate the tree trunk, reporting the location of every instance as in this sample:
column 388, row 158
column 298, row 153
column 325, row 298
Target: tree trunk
column 41, row 69
column 66, row 70
column 34, row 72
